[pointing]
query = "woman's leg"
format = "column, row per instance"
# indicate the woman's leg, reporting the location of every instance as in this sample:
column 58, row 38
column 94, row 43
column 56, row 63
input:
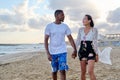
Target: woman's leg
column 83, row 69
column 91, row 64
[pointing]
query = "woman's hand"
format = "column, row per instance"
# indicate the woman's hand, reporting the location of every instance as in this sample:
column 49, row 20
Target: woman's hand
column 96, row 58
column 74, row 54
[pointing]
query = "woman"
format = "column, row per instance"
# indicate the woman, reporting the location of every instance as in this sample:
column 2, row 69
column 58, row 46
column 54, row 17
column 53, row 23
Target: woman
column 88, row 52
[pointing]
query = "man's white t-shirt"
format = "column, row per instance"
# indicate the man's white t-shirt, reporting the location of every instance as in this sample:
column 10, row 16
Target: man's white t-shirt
column 57, row 34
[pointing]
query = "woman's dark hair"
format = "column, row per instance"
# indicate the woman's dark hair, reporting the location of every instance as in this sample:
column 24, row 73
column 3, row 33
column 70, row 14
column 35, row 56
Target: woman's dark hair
column 90, row 18
column 58, row 12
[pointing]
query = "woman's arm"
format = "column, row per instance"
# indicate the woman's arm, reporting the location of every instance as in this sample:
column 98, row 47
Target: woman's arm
column 95, row 44
column 78, row 40
column 95, row 39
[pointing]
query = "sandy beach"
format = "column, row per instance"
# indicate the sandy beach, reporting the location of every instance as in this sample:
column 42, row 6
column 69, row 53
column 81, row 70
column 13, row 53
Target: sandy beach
column 35, row 66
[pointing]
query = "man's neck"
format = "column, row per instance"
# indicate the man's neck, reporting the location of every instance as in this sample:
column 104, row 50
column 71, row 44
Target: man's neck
column 57, row 22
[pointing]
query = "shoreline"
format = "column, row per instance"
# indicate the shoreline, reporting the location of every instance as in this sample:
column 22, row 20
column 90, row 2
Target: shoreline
column 7, row 58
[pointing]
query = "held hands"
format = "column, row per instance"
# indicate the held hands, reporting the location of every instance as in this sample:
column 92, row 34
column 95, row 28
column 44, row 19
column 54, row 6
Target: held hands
column 74, row 54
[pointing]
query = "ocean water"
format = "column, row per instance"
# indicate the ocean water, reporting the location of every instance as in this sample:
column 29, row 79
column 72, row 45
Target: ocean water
column 18, row 48
column 107, row 43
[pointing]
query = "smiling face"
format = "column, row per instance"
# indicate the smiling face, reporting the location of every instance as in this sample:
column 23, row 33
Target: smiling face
column 60, row 17
column 86, row 21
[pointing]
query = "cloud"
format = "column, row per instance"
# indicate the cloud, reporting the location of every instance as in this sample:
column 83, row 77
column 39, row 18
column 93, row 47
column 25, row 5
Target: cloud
column 38, row 23
column 12, row 19
column 114, row 19
column 78, row 13
column 75, row 9
column 23, row 17
column 17, row 16
column 39, row 1
column 57, row 4
column 103, row 27
column 5, row 27
column 106, row 28
column 114, row 16
column 115, row 28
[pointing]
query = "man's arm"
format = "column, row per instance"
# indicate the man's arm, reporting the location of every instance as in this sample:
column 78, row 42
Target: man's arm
column 74, row 54
column 46, row 47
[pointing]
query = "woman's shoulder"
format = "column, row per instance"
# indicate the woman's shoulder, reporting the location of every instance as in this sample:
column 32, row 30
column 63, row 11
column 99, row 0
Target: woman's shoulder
column 81, row 28
column 94, row 29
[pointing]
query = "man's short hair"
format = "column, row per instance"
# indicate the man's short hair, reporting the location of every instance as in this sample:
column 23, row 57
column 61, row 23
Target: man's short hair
column 58, row 12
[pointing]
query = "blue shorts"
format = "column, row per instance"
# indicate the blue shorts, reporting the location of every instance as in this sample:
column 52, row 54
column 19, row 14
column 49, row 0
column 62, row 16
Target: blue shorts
column 59, row 62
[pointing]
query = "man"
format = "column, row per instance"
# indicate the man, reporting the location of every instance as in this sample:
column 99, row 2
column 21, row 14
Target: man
column 56, row 50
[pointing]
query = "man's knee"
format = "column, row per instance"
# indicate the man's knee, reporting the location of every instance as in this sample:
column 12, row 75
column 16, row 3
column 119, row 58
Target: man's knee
column 62, row 72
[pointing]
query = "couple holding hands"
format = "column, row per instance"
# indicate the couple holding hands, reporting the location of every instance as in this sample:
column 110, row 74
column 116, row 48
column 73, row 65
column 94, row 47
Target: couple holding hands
column 86, row 43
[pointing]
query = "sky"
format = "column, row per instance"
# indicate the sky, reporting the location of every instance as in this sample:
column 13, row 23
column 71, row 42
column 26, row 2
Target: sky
column 24, row 21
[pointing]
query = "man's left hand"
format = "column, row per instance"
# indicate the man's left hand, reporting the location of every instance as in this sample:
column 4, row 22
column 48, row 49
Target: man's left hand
column 74, row 54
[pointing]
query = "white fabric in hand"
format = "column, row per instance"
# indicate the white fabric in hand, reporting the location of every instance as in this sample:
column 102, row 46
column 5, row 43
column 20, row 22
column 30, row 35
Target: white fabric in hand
column 104, row 56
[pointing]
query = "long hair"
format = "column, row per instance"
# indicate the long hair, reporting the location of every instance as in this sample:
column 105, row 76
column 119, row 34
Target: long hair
column 90, row 18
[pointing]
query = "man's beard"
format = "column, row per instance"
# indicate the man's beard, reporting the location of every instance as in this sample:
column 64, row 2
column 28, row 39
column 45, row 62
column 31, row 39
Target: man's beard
column 62, row 20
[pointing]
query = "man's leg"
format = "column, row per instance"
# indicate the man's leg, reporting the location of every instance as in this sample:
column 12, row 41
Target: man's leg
column 63, row 75
column 54, row 75
column 54, row 65
column 63, row 65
